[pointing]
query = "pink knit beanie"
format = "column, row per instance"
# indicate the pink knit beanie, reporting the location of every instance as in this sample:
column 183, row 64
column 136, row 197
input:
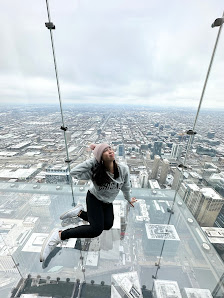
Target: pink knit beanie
column 98, row 150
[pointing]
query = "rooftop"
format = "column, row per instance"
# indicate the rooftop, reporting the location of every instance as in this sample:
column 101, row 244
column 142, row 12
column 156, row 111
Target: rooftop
column 211, row 193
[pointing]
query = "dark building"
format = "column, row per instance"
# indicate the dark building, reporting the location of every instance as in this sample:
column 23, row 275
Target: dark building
column 157, row 148
column 211, row 134
column 144, row 147
column 99, row 131
column 120, row 150
column 205, row 151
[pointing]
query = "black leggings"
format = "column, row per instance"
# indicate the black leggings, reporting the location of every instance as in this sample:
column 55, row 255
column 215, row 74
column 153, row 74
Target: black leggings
column 100, row 215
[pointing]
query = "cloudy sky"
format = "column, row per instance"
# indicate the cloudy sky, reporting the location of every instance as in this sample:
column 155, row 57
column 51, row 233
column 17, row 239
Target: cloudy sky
column 121, row 51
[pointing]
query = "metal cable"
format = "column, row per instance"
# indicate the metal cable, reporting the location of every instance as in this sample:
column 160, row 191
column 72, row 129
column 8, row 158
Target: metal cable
column 59, row 97
column 190, row 140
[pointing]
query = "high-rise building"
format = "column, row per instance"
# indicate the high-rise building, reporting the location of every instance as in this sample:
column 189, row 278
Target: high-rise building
column 99, row 131
column 126, row 284
column 68, row 136
column 144, row 179
column 157, row 148
column 176, row 178
column 190, row 195
column 121, row 150
column 211, row 134
column 216, row 237
column 164, row 171
column 216, row 180
column 209, row 169
column 220, row 219
column 6, row 262
column 210, row 205
column 205, row 203
column 176, row 151
column 155, row 167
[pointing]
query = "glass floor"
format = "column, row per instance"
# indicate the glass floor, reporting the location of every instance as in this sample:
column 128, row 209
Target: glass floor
column 149, row 252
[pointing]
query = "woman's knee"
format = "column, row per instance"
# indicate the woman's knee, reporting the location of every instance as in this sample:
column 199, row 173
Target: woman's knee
column 108, row 226
column 97, row 231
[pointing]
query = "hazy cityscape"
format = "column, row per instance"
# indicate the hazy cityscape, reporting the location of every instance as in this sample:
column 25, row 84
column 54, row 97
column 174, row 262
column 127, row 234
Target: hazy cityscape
column 36, row 188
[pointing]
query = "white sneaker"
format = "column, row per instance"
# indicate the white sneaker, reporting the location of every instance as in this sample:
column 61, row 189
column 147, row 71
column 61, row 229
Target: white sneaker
column 72, row 212
column 49, row 244
column 70, row 221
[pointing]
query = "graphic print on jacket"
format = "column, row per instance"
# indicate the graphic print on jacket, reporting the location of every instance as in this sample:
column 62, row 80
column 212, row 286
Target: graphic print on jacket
column 111, row 185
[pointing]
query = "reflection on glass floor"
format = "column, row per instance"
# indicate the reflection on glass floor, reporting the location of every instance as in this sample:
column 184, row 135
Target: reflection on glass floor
column 145, row 246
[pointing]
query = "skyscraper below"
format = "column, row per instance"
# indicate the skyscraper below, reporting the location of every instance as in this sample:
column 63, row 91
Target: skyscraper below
column 164, row 171
column 155, row 167
column 205, row 203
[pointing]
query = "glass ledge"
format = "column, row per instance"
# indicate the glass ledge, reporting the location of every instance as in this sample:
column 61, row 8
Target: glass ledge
column 148, row 249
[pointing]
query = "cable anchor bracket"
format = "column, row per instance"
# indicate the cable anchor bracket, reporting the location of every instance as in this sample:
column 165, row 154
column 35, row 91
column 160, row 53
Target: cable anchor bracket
column 50, row 26
column 170, row 210
column 68, row 160
column 191, row 132
column 153, row 276
column 64, row 128
column 181, row 166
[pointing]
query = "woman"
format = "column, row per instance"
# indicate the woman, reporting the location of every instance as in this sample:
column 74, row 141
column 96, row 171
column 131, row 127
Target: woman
column 108, row 178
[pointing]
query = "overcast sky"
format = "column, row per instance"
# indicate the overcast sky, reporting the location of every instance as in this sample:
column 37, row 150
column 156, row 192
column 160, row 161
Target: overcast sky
column 121, row 51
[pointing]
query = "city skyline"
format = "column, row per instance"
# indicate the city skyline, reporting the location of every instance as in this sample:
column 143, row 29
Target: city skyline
column 35, row 189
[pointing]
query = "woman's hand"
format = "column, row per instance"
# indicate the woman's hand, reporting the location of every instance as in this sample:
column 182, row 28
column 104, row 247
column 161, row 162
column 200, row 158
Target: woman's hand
column 133, row 200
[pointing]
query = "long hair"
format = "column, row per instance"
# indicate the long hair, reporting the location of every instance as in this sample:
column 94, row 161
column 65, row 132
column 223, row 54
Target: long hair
column 100, row 175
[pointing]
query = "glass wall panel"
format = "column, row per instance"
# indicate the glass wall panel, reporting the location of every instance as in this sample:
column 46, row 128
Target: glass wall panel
column 128, row 75
column 32, row 143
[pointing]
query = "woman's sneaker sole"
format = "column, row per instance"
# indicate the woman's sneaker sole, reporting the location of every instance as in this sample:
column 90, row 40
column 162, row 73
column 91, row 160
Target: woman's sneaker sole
column 72, row 212
column 70, row 221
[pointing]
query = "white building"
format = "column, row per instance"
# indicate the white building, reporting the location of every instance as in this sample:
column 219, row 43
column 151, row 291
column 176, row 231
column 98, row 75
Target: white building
column 166, row 289
column 153, row 184
column 144, row 215
column 126, row 284
column 31, row 221
column 6, row 262
column 68, row 136
column 176, row 151
column 176, row 178
column 40, row 205
column 189, row 192
column 143, row 179
column 155, row 236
